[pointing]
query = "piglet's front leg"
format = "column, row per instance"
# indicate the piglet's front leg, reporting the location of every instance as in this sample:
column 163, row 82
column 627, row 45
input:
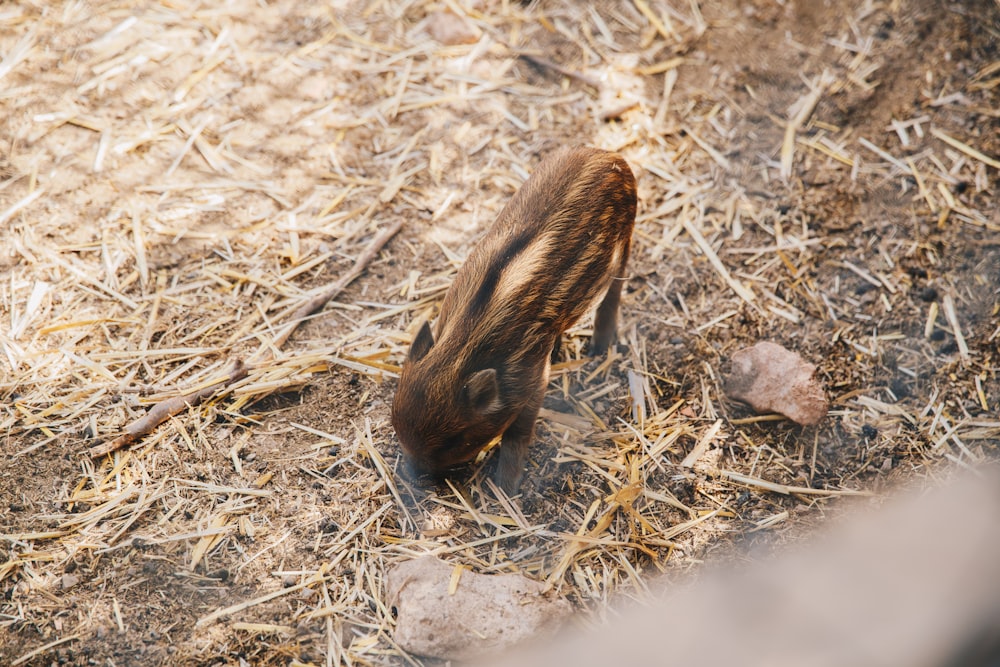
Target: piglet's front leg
column 514, row 445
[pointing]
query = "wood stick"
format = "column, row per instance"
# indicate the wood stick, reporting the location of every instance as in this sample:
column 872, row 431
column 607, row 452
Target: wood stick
column 317, row 302
column 169, row 407
column 545, row 63
column 166, row 409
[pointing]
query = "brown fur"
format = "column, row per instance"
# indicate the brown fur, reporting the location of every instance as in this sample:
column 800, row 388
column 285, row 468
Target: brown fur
column 561, row 242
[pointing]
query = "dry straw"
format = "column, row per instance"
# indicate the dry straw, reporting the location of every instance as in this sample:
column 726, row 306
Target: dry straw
column 219, row 227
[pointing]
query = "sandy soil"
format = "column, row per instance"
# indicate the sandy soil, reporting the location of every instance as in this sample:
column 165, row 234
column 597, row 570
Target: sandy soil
column 176, row 178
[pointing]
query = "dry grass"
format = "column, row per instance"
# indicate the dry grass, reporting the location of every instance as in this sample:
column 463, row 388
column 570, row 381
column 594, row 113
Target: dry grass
column 184, row 185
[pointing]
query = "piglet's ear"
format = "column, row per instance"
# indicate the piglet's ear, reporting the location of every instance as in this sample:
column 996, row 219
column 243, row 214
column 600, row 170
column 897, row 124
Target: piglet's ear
column 482, row 391
column 422, row 344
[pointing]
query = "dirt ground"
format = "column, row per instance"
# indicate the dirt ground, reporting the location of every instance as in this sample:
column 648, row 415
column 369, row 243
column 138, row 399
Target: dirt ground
column 177, row 178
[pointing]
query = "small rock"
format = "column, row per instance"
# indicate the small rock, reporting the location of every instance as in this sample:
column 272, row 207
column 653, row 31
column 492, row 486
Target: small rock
column 486, row 613
column 222, row 574
column 328, row 527
column 773, row 379
column 449, row 29
column 315, row 87
column 928, row 294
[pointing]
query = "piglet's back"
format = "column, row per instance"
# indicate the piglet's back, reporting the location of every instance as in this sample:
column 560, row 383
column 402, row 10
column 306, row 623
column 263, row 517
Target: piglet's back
column 547, row 256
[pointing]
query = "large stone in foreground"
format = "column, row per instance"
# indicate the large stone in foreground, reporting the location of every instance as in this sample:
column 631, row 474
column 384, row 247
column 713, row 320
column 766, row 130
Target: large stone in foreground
column 486, row 612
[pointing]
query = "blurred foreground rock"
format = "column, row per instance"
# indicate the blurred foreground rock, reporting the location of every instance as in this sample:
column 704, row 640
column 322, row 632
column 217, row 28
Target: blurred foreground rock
column 915, row 583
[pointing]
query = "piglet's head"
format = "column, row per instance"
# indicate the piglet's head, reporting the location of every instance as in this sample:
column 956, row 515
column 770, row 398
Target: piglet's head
column 444, row 415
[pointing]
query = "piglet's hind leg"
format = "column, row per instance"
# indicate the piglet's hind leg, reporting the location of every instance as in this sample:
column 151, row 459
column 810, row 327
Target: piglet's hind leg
column 606, row 317
column 605, row 320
